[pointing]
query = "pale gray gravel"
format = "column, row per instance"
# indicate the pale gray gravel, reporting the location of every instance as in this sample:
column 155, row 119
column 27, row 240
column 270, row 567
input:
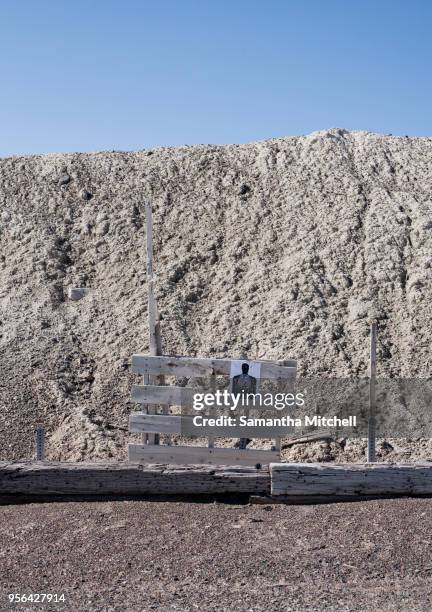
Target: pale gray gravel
column 142, row 556
column 281, row 248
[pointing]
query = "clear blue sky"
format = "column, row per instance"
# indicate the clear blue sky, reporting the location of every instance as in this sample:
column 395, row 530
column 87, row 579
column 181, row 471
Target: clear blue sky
column 88, row 75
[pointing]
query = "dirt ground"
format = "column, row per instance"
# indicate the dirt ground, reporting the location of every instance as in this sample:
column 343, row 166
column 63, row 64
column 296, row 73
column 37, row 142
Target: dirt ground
column 140, row 556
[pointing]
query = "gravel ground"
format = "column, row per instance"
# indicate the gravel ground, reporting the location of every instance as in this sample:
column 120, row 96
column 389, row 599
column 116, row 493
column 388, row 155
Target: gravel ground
column 140, row 556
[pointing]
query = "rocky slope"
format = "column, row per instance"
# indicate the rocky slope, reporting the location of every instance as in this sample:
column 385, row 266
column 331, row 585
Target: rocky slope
column 276, row 249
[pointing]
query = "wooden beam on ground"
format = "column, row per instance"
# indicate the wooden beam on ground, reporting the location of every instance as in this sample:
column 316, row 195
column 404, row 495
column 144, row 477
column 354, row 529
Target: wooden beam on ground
column 338, row 481
column 52, row 480
column 315, row 437
column 200, row 367
column 291, row 483
column 140, row 422
column 191, row 455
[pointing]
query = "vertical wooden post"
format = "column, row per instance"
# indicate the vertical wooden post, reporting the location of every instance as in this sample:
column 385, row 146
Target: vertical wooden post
column 153, row 315
column 278, row 439
column 210, row 439
column 371, row 454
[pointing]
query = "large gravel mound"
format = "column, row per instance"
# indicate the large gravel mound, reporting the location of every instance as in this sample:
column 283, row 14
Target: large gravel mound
column 277, row 249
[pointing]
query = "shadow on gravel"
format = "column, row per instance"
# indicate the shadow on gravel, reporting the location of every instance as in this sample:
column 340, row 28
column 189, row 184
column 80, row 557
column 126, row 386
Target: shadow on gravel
column 8, row 500
column 227, row 499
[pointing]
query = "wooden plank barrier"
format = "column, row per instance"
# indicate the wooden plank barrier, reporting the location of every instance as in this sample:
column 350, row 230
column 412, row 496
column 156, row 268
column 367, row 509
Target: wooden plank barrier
column 325, row 481
column 170, row 395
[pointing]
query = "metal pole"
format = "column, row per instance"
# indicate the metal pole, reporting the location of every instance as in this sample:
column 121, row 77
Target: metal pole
column 40, row 444
column 371, row 454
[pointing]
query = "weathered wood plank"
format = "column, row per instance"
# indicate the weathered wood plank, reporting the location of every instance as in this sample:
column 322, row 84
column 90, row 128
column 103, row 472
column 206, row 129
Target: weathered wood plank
column 314, row 437
column 31, row 479
column 181, row 396
column 46, row 480
column 191, row 455
column 168, row 394
column 200, row 367
column 350, row 480
column 140, row 422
